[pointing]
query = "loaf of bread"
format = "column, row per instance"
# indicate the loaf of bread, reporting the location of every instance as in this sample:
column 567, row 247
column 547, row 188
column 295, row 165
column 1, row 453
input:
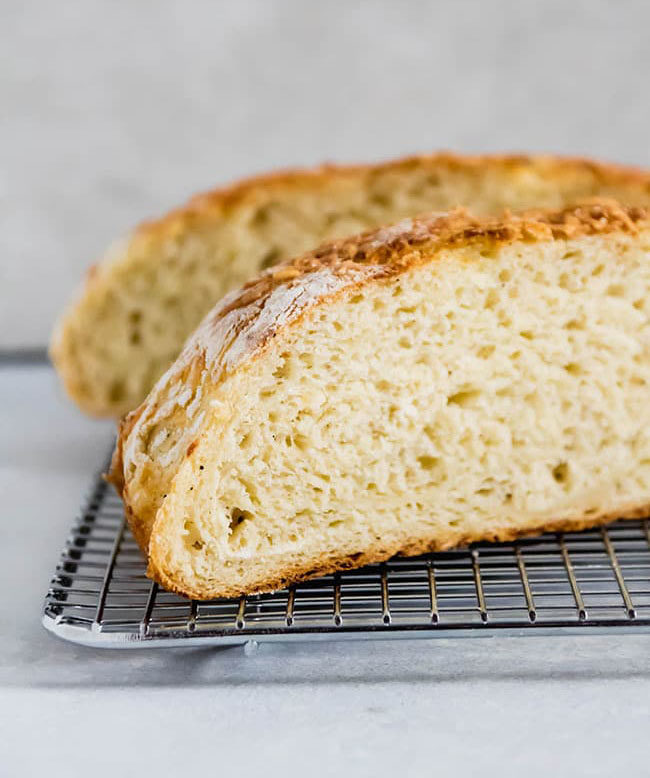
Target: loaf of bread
column 139, row 304
column 440, row 381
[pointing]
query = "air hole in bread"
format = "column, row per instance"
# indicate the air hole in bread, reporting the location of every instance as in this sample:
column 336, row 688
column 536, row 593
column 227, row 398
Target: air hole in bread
column 465, row 398
column 192, row 536
column 574, row 324
column 381, row 199
column 116, row 391
column 561, row 473
column 427, row 462
column 261, row 215
column 238, row 517
column 301, row 441
column 485, row 352
column 491, row 299
column 284, row 368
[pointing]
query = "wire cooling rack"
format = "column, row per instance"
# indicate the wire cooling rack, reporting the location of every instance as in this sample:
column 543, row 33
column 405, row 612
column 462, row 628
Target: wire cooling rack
column 596, row 580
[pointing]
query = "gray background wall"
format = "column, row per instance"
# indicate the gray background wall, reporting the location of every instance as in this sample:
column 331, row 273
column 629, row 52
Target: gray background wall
column 112, row 112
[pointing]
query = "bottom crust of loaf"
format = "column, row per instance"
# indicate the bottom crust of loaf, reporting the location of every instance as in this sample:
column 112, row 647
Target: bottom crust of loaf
column 331, row 562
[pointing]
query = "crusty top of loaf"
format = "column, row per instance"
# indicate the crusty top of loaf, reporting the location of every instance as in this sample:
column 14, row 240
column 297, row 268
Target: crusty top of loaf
column 218, row 202
column 211, row 206
column 240, row 325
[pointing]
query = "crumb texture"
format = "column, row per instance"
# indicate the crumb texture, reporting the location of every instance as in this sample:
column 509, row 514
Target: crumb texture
column 152, row 289
column 476, row 379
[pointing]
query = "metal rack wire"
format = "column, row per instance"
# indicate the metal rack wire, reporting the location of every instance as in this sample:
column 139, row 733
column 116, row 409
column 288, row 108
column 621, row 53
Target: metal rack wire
column 563, row 583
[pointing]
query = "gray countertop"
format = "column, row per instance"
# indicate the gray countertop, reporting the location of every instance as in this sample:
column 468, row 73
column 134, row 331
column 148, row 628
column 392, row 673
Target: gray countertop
column 562, row 706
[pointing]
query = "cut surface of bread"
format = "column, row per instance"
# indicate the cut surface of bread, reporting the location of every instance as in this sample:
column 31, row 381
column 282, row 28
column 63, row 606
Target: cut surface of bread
column 437, row 382
column 150, row 292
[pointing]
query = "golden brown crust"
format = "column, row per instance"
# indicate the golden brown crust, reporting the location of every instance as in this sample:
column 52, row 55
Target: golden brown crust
column 204, row 206
column 332, row 563
column 396, row 248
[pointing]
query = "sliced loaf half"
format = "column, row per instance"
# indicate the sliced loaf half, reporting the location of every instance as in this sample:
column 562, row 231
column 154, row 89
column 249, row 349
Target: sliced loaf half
column 140, row 303
column 440, row 381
